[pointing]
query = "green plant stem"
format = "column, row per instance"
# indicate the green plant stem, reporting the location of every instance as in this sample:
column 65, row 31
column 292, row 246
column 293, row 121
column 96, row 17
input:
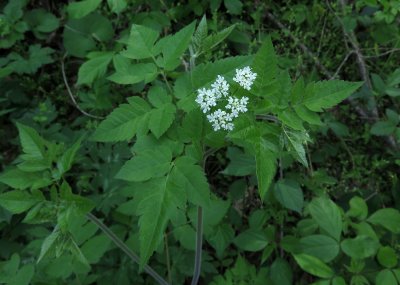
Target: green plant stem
column 118, row 242
column 199, row 245
column 168, row 261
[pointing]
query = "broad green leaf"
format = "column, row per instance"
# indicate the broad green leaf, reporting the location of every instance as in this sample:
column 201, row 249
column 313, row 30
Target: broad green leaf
column 141, row 42
column 251, row 240
column 213, row 40
column 281, row 273
column 358, row 208
column 327, row 215
column 172, row 47
column 388, row 218
column 313, row 266
column 18, row 179
column 387, row 257
column 288, row 192
column 157, row 201
column 158, row 96
column 161, row 119
column 123, row 123
column 81, row 35
column 128, row 73
column 295, row 141
column 385, row 277
column 41, row 21
column 383, row 128
column 32, row 143
column 320, row 246
column 95, row 248
column 233, row 6
column 338, row 280
column 241, row 164
column 48, row 243
column 360, row 247
column 24, row 276
column 326, row 94
column 265, row 168
column 265, row 65
column 146, row 165
column 117, row 6
column 80, row 9
column 308, row 115
column 94, row 68
column 221, row 238
column 81, row 204
column 66, row 160
column 18, row 201
column 189, row 177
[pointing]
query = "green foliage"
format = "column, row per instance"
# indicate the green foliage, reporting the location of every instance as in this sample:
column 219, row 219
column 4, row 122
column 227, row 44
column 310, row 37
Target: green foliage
column 302, row 190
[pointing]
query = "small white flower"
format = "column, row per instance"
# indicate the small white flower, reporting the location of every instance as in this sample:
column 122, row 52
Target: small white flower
column 237, row 105
column 221, row 120
column 245, row 77
column 206, row 99
column 221, row 87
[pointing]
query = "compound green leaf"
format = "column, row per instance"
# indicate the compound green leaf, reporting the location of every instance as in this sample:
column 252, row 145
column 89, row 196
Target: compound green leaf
column 140, row 44
column 123, row 123
column 94, row 68
column 146, row 165
column 161, row 119
column 326, row 94
column 265, row 168
column 18, row 201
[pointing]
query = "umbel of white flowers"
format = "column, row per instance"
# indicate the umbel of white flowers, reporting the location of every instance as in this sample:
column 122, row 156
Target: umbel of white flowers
column 208, row 98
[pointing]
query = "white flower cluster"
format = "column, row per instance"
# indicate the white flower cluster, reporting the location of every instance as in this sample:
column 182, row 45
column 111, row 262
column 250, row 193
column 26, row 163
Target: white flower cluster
column 208, row 98
column 245, row 77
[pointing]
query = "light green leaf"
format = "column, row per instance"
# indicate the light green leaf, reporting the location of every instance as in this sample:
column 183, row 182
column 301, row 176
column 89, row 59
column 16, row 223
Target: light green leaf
column 123, row 123
column 94, row 68
column 18, row 201
column 117, row 6
column 288, row 192
column 327, row 215
column 251, row 240
column 146, row 165
column 140, row 44
column 326, row 94
column 161, row 119
column 66, row 160
column 385, row 277
column 24, row 276
column 95, row 248
column 213, row 40
column 360, row 247
column 48, row 243
column 265, row 168
column 128, row 73
column 172, row 47
column 313, row 266
column 320, row 246
column 221, row 238
column 191, row 178
column 295, row 141
column 80, row 9
column 265, row 65
column 281, row 272
column 18, row 179
column 32, row 143
column 387, row 257
column 200, row 34
column 157, row 201
column 358, row 208
column 388, row 218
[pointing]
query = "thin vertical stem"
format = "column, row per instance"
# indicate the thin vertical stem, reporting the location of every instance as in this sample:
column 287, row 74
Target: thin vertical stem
column 199, row 245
